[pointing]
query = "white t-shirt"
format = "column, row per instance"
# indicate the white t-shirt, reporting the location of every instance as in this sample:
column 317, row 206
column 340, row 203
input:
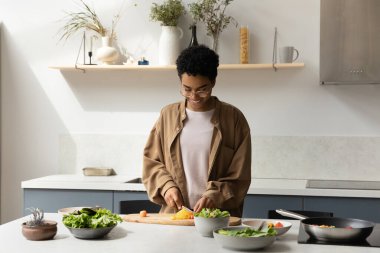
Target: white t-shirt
column 195, row 140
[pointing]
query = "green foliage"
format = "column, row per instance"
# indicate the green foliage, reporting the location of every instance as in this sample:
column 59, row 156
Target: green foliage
column 212, row 14
column 212, row 213
column 167, row 13
column 91, row 218
column 248, row 232
column 37, row 217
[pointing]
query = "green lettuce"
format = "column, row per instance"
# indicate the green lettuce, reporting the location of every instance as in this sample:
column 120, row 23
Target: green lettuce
column 212, row 213
column 91, row 218
column 248, row 232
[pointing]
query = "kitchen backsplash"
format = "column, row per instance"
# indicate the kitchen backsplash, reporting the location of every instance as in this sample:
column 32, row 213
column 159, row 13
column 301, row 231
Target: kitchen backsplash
column 290, row 157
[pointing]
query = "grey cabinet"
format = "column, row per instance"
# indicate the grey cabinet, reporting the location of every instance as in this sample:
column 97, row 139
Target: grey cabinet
column 50, row 200
column 359, row 208
column 258, row 205
column 127, row 195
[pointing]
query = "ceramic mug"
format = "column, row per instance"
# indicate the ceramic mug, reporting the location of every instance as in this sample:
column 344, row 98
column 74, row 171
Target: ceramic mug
column 288, row 54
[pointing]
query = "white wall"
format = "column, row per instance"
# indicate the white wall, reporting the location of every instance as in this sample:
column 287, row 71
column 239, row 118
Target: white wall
column 40, row 105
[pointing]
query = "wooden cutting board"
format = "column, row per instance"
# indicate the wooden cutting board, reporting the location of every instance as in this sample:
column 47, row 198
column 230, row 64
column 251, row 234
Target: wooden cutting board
column 165, row 219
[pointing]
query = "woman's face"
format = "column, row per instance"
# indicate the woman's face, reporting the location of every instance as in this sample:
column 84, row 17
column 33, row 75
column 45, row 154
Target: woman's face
column 197, row 91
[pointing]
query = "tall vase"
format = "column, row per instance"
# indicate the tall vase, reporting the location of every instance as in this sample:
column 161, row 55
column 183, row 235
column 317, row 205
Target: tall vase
column 168, row 47
column 215, row 36
column 215, row 41
column 107, row 54
column 193, row 40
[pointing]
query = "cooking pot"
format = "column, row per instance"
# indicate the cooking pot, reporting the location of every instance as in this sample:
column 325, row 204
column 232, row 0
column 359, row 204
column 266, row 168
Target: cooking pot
column 345, row 229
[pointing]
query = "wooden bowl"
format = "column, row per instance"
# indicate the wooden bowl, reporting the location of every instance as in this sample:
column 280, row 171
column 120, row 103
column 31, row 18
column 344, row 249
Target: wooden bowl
column 46, row 231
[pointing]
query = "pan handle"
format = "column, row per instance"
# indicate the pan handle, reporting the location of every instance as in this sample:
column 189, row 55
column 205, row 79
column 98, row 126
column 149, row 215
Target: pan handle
column 290, row 214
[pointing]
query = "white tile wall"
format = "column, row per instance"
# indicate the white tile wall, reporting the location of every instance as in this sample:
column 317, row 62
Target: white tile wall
column 290, row 157
column 123, row 153
column 339, row 158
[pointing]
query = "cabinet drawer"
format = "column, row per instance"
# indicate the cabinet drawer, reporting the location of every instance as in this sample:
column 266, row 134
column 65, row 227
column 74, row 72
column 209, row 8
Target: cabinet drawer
column 257, row 206
column 50, row 200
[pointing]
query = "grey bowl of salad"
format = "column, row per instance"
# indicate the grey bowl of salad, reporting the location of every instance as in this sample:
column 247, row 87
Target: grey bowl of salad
column 244, row 238
column 90, row 223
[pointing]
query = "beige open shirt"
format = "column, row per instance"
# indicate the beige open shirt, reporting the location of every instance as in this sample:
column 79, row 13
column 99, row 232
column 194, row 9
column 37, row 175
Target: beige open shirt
column 229, row 167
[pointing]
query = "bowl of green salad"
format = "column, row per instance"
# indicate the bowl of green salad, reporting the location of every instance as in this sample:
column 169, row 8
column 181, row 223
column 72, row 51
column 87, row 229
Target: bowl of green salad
column 209, row 219
column 244, row 238
column 90, row 223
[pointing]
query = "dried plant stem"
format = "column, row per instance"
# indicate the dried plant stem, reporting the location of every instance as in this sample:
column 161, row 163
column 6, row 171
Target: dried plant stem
column 87, row 19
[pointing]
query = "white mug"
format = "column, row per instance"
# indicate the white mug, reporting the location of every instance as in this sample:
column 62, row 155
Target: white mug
column 288, row 54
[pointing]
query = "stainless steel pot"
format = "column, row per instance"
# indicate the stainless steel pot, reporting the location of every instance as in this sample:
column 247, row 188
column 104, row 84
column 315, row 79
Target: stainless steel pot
column 345, row 229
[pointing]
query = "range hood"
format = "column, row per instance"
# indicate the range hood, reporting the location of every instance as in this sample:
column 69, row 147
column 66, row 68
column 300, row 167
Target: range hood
column 350, row 42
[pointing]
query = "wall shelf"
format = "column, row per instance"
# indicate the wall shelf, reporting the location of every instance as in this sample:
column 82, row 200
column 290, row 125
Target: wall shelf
column 173, row 67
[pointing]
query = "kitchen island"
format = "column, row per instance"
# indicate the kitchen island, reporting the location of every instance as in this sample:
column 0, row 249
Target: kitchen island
column 147, row 238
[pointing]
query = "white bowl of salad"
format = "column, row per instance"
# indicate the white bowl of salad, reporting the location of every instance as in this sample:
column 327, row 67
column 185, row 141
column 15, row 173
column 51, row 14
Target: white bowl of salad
column 244, row 238
column 281, row 227
column 90, row 223
column 208, row 219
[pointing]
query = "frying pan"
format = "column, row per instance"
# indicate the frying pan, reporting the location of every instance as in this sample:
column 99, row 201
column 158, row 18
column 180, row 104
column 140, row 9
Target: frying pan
column 346, row 229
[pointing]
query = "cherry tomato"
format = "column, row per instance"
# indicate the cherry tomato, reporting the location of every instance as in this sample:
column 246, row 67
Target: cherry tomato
column 278, row 225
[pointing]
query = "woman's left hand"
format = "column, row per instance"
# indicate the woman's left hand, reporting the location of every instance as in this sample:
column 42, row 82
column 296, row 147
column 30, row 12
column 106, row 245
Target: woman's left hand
column 203, row 202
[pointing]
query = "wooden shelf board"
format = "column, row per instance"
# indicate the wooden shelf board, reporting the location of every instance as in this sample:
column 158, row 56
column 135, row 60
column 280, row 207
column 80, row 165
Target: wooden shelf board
column 173, row 67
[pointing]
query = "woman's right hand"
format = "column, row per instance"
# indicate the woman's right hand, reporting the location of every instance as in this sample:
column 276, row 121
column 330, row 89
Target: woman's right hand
column 173, row 198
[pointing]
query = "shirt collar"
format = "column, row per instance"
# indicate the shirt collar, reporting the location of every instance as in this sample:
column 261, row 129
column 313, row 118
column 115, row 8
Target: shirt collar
column 215, row 116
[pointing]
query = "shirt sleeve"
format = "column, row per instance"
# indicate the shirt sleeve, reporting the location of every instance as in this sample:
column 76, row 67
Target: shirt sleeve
column 157, row 180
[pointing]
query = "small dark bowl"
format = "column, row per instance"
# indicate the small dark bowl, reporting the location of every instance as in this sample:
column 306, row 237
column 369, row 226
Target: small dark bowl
column 90, row 233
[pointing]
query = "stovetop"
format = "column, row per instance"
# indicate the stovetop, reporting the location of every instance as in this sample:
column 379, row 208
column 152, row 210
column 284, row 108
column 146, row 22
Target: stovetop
column 373, row 240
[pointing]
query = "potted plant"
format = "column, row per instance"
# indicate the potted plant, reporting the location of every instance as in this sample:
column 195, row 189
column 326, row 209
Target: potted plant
column 37, row 229
column 87, row 19
column 212, row 14
column 168, row 14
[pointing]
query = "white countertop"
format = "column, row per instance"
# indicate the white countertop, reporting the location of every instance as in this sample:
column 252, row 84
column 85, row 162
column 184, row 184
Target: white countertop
column 80, row 182
column 258, row 186
column 146, row 238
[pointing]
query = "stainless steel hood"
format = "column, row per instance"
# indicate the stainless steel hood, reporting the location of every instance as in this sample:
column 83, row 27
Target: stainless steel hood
column 350, row 42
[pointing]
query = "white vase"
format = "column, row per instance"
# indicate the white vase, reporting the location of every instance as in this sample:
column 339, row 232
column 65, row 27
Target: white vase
column 107, row 54
column 168, row 47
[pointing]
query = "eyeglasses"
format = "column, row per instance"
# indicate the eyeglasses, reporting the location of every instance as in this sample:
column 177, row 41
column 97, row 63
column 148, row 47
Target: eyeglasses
column 203, row 92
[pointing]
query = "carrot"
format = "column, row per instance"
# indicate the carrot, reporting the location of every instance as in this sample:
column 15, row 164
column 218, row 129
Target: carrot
column 143, row 213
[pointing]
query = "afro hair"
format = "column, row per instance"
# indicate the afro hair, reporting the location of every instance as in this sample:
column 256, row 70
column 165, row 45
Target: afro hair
column 198, row 60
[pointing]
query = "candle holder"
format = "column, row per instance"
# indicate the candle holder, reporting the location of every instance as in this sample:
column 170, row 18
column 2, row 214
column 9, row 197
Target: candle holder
column 90, row 57
column 83, row 43
column 90, row 52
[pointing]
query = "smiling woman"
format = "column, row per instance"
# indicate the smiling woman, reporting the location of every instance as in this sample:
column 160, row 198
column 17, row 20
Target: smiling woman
column 199, row 151
column 197, row 91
